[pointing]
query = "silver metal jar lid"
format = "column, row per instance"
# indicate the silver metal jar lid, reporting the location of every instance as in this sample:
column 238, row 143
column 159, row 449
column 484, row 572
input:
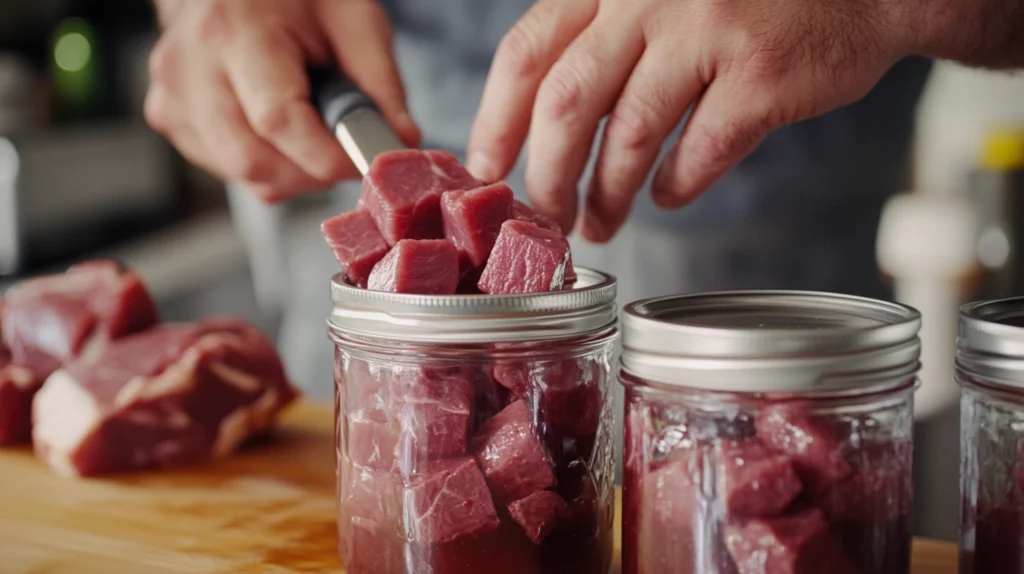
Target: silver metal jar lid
column 990, row 340
column 588, row 306
column 769, row 341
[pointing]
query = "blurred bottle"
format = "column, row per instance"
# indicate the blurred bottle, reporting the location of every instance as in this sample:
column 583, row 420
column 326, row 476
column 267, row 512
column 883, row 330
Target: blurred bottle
column 76, row 69
column 996, row 188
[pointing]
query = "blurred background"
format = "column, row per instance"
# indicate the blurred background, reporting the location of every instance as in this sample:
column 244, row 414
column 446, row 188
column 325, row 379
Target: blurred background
column 82, row 176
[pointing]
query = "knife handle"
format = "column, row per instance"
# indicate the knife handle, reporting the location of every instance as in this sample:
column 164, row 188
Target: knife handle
column 335, row 96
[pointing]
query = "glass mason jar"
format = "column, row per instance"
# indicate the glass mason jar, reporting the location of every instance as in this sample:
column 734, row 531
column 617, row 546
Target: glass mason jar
column 474, row 432
column 990, row 371
column 768, row 432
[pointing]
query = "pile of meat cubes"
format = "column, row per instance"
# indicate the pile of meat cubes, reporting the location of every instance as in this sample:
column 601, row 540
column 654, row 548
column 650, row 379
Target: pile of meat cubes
column 792, row 496
column 472, row 468
column 90, row 376
column 425, row 225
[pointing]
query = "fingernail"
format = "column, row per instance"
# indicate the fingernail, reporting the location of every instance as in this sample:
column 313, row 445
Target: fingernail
column 481, row 167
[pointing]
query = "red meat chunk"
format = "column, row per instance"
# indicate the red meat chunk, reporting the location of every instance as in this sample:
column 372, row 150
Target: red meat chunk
column 571, row 404
column 173, row 394
column 433, row 407
column 512, row 375
column 49, row 320
column 756, row 482
column 424, row 266
column 526, row 259
column 448, row 502
column 402, row 191
column 17, row 387
column 473, row 218
column 539, row 514
column 355, row 243
column 371, row 441
column 512, row 458
column 799, row 543
column 811, row 442
column 523, row 212
column 373, row 495
column 667, row 516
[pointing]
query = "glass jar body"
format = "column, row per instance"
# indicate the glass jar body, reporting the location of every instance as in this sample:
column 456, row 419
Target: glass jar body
column 731, row 483
column 991, row 477
column 475, row 458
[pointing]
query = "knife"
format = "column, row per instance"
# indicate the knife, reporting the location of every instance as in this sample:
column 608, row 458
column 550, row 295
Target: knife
column 352, row 116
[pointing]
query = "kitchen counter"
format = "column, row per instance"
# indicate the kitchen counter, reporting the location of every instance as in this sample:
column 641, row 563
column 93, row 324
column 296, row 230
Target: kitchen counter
column 269, row 509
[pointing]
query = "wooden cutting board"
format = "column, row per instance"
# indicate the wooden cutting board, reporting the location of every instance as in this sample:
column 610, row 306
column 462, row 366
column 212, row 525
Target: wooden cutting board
column 269, row 509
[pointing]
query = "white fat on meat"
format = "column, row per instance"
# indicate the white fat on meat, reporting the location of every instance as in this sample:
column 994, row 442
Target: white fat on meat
column 71, row 416
column 20, row 377
column 244, row 422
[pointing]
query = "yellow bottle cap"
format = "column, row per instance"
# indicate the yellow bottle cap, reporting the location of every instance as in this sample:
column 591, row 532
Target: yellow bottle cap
column 1003, row 150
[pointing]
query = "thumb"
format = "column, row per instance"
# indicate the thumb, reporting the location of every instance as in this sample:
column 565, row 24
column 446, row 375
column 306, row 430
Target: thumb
column 360, row 37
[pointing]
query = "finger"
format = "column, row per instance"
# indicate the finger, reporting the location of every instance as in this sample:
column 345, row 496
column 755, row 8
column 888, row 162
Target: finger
column 267, row 74
column 726, row 125
column 233, row 148
column 578, row 91
column 360, row 36
column 523, row 58
column 651, row 105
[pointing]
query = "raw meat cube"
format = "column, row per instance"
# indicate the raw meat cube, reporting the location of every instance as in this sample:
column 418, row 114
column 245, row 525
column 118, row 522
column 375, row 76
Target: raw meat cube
column 811, row 442
column 512, row 458
column 526, row 259
column 880, row 489
column 355, row 243
column 49, row 320
column 539, row 514
column 373, row 495
column 402, row 191
column 173, row 394
column 523, row 212
column 473, row 218
column 666, row 517
column 570, row 400
column 799, row 543
column 670, row 492
column 448, row 502
column 424, row 266
column 371, row 441
column 17, row 387
column 755, row 482
column 366, row 389
column 512, row 375
column 433, row 407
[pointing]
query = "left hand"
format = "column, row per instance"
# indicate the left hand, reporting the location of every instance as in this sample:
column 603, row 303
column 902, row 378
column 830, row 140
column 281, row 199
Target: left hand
column 750, row 66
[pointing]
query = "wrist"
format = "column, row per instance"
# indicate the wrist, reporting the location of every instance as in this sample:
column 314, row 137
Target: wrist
column 974, row 32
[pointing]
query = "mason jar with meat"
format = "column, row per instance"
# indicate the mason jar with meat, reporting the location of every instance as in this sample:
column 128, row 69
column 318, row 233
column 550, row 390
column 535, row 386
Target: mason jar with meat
column 768, row 432
column 474, row 431
column 990, row 371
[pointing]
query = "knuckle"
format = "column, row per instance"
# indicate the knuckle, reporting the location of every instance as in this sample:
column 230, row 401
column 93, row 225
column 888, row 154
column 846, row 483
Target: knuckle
column 161, row 63
column 244, row 165
column 636, row 122
column 271, row 119
column 561, row 93
column 518, row 52
column 215, row 19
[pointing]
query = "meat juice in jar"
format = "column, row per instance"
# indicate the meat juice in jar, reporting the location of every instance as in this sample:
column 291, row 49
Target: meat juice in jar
column 474, row 432
column 768, row 433
column 990, row 371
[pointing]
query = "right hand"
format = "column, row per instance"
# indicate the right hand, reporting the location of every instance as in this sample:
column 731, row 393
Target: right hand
column 228, row 86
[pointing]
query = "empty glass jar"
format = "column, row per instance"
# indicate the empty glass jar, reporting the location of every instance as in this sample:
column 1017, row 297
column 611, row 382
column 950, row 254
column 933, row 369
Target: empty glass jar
column 474, row 431
column 768, row 432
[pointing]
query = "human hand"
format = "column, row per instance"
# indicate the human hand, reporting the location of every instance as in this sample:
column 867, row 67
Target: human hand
column 749, row 66
column 228, row 86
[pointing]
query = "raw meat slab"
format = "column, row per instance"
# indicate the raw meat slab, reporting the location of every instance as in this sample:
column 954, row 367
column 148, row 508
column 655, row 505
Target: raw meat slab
column 173, row 394
column 539, row 514
column 448, row 502
column 511, row 456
